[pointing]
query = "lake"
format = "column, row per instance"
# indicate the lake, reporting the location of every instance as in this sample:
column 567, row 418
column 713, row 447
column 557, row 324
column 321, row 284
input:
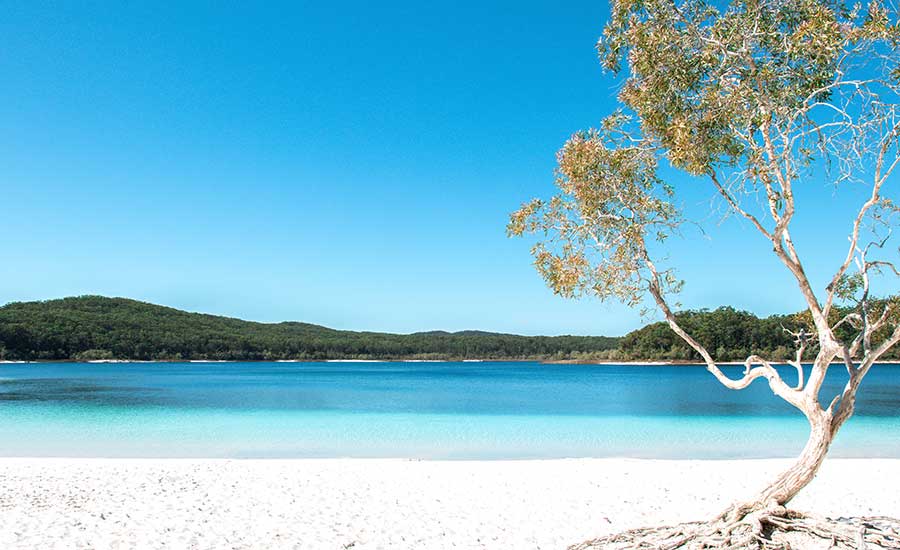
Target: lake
column 418, row 410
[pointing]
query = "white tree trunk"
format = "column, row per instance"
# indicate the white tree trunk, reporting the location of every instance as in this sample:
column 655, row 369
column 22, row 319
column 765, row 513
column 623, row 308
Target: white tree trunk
column 803, row 471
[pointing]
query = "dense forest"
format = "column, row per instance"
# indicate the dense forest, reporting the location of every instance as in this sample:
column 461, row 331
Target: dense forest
column 729, row 335
column 94, row 327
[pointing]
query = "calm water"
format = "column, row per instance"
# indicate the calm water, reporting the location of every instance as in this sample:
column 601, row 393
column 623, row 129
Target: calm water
column 428, row 410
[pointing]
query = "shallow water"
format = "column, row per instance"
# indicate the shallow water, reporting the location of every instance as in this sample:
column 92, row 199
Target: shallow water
column 424, row 410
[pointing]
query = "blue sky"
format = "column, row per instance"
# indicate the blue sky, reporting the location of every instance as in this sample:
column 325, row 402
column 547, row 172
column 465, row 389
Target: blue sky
column 351, row 165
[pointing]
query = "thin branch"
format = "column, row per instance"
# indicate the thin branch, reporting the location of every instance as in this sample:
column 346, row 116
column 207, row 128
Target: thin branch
column 736, row 207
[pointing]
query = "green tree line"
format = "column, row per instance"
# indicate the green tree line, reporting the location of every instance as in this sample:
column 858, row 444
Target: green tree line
column 95, row 327
column 730, row 335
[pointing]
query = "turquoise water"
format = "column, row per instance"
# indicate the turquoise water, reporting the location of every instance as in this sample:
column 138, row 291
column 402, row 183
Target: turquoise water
column 424, row 410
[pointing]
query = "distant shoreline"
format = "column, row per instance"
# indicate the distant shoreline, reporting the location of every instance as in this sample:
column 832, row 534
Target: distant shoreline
column 163, row 361
column 101, row 329
column 539, row 361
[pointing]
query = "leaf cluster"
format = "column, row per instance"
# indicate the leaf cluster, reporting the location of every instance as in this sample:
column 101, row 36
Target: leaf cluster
column 595, row 231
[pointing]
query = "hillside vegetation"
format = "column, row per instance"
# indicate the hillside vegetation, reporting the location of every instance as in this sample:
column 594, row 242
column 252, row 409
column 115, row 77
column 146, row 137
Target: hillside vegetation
column 731, row 335
column 95, row 327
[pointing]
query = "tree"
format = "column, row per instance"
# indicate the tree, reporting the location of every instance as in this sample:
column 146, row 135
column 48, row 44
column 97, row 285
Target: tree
column 752, row 99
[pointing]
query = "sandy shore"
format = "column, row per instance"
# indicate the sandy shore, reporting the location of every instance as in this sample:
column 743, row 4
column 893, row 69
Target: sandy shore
column 372, row 503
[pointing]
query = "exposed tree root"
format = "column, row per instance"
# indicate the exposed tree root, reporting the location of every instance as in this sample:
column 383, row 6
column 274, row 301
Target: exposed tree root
column 772, row 528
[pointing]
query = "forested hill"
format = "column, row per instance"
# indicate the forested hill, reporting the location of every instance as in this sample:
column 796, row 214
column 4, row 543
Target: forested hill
column 729, row 335
column 95, row 327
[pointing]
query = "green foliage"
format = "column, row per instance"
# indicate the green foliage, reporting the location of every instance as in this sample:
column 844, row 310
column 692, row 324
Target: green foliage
column 703, row 76
column 93, row 327
column 611, row 202
column 96, row 328
column 752, row 95
column 730, row 334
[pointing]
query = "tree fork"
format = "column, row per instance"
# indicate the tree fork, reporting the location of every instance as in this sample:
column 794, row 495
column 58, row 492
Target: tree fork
column 750, row 94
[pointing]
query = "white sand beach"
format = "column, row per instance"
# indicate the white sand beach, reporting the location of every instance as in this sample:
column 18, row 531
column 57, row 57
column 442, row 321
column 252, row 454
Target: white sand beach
column 391, row 504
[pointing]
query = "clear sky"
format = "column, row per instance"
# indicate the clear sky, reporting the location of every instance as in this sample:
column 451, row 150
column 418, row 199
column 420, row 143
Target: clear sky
column 350, row 164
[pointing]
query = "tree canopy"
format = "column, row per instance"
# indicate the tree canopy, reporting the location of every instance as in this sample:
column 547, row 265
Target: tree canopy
column 751, row 98
column 95, row 327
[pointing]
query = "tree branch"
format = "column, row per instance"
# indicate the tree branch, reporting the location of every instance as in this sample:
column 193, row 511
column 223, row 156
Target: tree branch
column 764, row 369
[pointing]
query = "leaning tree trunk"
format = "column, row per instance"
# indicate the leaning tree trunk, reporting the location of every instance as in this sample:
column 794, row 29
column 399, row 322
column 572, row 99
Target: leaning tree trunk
column 801, row 473
column 763, row 523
